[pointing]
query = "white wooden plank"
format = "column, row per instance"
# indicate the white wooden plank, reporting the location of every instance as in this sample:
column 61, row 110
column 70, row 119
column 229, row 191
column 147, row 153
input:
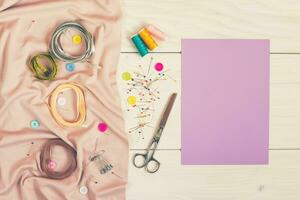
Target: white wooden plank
column 285, row 68
column 277, row 181
column 285, row 116
column 275, row 20
column 284, row 98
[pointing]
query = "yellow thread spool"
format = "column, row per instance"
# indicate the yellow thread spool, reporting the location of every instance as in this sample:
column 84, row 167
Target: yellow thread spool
column 80, row 105
column 148, row 40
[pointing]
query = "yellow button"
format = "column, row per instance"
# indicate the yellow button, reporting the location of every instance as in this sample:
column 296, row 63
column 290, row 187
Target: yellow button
column 76, row 39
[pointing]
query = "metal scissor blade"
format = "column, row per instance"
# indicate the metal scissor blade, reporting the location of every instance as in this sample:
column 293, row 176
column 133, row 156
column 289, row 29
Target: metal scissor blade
column 167, row 110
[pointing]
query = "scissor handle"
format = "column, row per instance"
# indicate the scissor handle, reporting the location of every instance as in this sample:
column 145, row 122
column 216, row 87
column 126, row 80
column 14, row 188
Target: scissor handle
column 152, row 165
column 143, row 161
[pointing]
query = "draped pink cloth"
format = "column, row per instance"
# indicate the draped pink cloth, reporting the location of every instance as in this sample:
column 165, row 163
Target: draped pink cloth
column 25, row 29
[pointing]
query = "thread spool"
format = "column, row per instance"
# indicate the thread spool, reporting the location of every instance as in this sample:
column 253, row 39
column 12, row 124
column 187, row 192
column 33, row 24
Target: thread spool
column 148, row 40
column 156, row 32
column 140, row 45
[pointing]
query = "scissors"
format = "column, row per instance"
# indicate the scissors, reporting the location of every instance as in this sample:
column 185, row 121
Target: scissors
column 146, row 160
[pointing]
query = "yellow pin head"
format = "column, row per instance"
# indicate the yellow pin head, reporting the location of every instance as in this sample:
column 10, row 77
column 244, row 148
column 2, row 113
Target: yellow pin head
column 131, row 100
column 126, row 76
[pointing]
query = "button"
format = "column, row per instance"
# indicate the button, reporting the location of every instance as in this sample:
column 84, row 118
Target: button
column 70, row 67
column 61, row 101
column 76, row 39
column 52, row 164
column 83, row 190
column 34, row 124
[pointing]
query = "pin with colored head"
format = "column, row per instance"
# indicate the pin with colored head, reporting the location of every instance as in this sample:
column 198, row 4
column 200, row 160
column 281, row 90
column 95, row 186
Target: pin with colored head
column 126, row 76
column 159, row 66
column 102, row 127
column 131, row 100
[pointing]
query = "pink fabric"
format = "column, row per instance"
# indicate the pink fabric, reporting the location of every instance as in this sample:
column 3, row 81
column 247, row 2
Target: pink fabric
column 25, row 29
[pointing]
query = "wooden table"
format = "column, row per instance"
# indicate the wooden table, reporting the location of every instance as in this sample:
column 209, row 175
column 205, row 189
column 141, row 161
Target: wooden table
column 276, row 20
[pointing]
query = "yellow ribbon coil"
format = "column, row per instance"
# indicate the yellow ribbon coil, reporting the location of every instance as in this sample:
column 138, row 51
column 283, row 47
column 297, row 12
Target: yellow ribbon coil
column 80, row 105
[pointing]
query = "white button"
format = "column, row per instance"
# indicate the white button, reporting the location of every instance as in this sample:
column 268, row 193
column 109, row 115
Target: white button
column 83, row 190
column 61, row 101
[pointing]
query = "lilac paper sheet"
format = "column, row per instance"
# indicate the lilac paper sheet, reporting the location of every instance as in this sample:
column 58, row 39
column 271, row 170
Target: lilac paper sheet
column 225, row 102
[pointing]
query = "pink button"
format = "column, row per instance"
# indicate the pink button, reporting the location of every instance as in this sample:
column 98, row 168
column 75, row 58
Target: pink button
column 102, row 127
column 52, row 164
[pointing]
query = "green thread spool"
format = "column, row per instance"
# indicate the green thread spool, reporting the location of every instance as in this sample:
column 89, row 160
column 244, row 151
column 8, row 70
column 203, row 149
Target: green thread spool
column 140, row 45
column 46, row 70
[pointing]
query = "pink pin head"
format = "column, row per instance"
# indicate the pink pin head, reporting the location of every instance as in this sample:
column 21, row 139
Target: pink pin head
column 52, row 164
column 102, row 127
column 159, row 67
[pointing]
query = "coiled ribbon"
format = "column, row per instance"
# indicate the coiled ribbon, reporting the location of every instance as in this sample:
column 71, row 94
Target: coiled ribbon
column 81, row 107
column 45, row 158
column 57, row 50
column 43, row 66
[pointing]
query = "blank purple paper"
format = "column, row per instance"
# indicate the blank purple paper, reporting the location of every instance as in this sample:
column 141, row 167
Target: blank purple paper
column 225, row 102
